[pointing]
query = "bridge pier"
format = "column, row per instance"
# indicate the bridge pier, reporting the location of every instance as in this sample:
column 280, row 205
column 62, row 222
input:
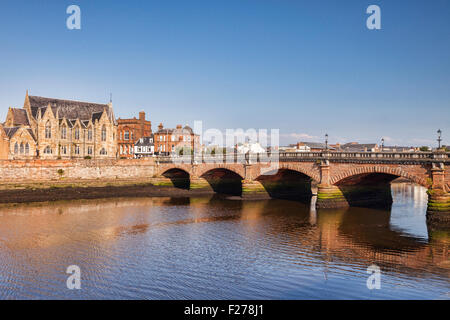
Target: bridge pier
column 254, row 190
column 438, row 210
column 328, row 196
column 200, row 184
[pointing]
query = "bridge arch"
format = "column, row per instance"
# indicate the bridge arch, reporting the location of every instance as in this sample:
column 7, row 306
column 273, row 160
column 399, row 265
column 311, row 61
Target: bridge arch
column 284, row 183
column 180, row 178
column 308, row 169
column 223, row 180
column 364, row 170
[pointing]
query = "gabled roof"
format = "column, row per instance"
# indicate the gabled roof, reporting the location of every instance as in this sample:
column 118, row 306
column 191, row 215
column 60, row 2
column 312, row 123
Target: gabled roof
column 20, row 116
column 68, row 108
column 10, row 131
column 145, row 141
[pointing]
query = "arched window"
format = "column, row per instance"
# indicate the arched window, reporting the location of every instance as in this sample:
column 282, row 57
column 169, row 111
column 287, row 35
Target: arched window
column 27, row 148
column 63, row 132
column 103, row 151
column 103, row 133
column 48, row 130
column 48, row 150
column 77, row 133
column 77, row 149
column 22, row 148
column 16, row 148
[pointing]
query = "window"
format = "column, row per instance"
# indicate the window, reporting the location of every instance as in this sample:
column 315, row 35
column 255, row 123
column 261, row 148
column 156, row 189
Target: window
column 90, row 134
column 16, row 148
column 64, row 150
column 77, row 149
column 103, row 151
column 27, row 148
column 22, row 148
column 48, row 150
column 131, row 135
column 48, row 130
column 89, row 150
column 63, row 132
column 103, row 133
column 77, row 133
column 127, row 135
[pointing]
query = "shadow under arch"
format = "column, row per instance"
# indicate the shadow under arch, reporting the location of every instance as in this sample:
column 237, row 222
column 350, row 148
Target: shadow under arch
column 372, row 190
column 288, row 184
column 178, row 177
column 224, row 181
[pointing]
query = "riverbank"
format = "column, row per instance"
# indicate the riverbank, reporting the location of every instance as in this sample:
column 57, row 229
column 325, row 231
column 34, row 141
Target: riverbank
column 91, row 189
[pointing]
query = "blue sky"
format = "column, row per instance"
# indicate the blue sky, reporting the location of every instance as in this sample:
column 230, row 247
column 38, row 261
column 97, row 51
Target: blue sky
column 305, row 67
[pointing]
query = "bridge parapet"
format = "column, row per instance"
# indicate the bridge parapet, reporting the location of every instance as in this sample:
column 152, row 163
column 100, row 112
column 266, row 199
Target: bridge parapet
column 371, row 157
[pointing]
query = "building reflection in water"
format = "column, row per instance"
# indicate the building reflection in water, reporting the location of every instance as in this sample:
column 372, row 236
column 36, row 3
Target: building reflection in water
column 196, row 238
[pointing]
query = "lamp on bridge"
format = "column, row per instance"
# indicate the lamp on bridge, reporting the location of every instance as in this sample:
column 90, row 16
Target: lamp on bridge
column 382, row 144
column 439, row 138
column 326, row 141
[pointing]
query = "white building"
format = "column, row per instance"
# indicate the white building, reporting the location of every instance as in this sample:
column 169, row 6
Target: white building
column 144, row 147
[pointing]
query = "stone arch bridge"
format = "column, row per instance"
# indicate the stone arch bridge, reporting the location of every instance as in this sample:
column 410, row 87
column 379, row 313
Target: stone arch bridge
column 341, row 178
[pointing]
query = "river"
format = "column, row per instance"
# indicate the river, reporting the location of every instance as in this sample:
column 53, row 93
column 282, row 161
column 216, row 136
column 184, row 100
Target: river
column 215, row 248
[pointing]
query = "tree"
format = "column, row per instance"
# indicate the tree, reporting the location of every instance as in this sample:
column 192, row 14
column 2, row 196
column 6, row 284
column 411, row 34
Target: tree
column 424, row 148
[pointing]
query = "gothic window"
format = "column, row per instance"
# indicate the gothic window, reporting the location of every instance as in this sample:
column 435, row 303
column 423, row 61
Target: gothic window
column 89, row 150
column 22, row 148
column 77, row 133
column 48, row 130
column 77, row 149
column 27, row 148
column 48, row 150
column 16, row 148
column 103, row 133
column 63, row 132
column 103, row 151
column 64, row 150
column 90, row 134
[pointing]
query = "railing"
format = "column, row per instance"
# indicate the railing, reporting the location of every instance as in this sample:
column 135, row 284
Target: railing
column 307, row 156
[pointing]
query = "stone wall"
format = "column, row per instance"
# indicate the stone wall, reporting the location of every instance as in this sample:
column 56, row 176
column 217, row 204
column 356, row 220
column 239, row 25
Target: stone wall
column 74, row 170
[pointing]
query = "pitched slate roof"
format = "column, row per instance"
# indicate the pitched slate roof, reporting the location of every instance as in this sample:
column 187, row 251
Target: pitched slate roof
column 145, row 141
column 68, row 108
column 20, row 116
column 10, row 131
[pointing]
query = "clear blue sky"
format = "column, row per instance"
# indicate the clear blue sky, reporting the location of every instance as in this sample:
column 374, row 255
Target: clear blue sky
column 305, row 67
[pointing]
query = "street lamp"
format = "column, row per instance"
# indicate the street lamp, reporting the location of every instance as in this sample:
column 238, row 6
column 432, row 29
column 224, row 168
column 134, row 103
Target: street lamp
column 439, row 132
column 382, row 144
column 326, row 141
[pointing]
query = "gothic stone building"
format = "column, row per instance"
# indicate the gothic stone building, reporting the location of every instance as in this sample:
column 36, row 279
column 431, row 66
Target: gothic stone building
column 47, row 128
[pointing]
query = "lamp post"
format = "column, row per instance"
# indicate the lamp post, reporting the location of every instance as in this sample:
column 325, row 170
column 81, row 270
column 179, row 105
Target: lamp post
column 326, row 141
column 382, row 144
column 439, row 132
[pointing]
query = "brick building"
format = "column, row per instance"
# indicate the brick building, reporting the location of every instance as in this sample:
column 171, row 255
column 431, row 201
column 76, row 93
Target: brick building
column 49, row 128
column 130, row 131
column 168, row 141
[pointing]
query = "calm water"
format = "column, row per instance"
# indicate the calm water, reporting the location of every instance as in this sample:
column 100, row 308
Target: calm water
column 162, row 248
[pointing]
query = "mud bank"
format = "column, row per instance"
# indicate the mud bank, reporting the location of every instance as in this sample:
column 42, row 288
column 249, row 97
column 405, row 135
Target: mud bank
column 92, row 190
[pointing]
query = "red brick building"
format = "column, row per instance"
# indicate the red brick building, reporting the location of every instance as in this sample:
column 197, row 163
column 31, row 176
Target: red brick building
column 129, row 131
column 168, row 141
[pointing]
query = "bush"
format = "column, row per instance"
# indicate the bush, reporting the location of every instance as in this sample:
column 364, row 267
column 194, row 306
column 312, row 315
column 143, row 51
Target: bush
column 87, row 157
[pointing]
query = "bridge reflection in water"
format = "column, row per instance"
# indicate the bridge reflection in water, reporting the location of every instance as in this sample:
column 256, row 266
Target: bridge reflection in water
column 211, row 247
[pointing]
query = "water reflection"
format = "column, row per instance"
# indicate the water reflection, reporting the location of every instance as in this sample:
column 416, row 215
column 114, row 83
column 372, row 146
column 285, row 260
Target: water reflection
column 208, row 248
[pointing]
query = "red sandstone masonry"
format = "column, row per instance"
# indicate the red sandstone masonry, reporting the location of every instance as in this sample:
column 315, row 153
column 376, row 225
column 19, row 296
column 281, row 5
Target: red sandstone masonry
column 45, row 170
